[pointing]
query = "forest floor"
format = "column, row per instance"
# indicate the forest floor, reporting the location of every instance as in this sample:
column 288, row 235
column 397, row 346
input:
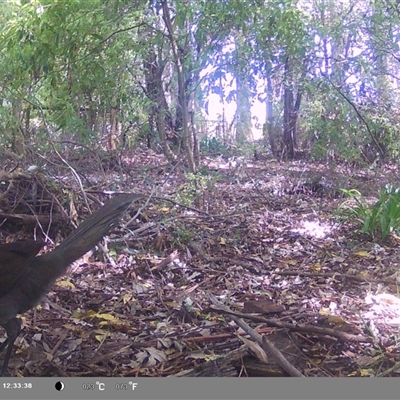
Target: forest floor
column 260, row 237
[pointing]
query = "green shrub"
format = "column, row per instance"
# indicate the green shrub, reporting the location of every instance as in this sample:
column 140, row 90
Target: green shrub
column 379, row 219
column 212, row 145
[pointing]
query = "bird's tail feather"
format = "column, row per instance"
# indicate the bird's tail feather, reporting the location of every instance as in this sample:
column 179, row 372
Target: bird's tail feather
column 89, row 232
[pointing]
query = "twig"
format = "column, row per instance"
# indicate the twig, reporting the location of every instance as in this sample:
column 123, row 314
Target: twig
column 262, row 340
column 298, row 328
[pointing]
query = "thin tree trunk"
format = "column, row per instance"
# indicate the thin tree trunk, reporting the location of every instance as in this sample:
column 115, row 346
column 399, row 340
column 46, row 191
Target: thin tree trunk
column 186, row 136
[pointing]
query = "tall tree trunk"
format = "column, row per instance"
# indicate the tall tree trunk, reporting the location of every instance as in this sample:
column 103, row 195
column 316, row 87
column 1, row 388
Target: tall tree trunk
column 159, row 115
column 288, row 133
column 290, row 114
column 112, row 136
column 243, row 110
column 270, row 131
column 186, row 134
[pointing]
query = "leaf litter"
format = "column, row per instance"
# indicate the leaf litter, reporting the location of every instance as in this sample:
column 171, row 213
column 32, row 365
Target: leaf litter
column 264, row 244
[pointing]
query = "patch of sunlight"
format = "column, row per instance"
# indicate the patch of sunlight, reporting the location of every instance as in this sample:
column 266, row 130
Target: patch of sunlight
column 316, row 229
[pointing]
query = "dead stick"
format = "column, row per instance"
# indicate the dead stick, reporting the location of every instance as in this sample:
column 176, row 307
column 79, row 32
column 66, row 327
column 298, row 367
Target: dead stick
column 262, row 341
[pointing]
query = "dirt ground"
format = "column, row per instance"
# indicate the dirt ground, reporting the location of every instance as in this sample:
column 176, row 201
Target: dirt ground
column 195, row 275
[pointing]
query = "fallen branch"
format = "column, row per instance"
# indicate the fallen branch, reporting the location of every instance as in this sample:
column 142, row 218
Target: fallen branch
column 261, row 340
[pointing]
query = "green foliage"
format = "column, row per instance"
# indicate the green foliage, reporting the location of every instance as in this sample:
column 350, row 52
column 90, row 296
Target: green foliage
column 247, row 150
column 69, row 63
column 182, row 237
column 211, row 174
column 212, row 145
column 195, row 186
column 55, row 58
column 331, row 127
column 379, row 219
